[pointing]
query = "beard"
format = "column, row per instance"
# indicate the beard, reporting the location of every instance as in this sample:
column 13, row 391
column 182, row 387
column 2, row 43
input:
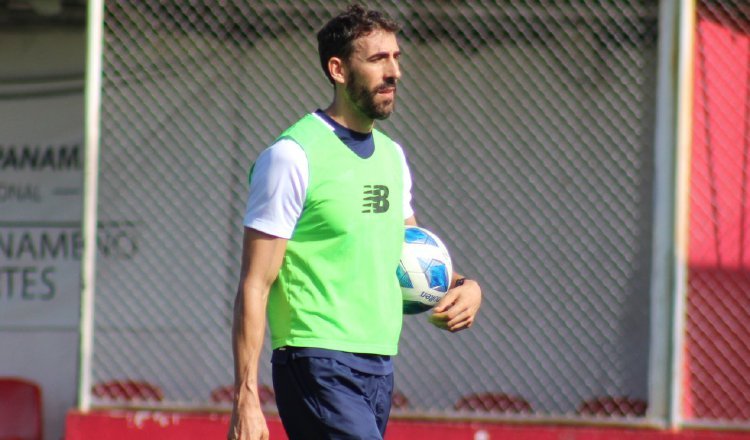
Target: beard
column 364, row 99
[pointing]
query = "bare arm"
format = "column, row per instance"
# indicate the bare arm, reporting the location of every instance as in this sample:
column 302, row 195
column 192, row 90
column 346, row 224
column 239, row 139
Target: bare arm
column 458, row 308
column 261, row 260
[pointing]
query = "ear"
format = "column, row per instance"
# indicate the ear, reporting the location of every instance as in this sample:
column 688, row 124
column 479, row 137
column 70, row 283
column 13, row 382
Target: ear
column 337, row 69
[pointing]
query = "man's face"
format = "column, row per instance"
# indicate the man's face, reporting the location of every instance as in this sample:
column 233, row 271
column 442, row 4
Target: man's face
column 373, row 72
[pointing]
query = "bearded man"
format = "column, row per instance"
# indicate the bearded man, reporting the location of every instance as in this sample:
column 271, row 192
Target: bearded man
column 324, row 227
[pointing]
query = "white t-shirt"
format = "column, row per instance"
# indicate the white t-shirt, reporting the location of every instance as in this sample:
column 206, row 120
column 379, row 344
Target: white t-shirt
column 279, row 187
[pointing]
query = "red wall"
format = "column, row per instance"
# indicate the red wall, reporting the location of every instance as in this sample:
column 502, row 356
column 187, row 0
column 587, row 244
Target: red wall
column 717, row 369
column 121, row 425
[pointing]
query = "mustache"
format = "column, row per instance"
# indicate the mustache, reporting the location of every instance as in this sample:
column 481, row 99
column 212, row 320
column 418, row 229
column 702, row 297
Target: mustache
column 388, row 84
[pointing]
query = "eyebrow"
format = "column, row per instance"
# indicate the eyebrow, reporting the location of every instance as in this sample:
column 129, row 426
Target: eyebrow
column 383, row 54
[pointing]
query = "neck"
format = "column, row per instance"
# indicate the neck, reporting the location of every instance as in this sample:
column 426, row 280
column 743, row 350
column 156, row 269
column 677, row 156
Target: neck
column 345, row 113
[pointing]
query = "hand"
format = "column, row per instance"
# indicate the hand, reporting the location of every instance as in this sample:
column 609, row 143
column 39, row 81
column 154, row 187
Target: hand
column 458, row 308
column 248, row 423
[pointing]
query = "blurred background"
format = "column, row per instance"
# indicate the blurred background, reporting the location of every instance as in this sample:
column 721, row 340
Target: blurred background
column 586, row 160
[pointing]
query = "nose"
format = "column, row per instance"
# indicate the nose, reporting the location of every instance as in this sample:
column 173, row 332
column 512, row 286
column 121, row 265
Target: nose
column 393, row 70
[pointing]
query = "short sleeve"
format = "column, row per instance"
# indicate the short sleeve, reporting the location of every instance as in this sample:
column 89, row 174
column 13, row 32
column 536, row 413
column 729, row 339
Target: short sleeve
column 278, row 187
column 408, row 211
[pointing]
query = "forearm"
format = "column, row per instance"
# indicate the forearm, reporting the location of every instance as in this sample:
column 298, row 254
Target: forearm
column 247, row 341
column 261, row 259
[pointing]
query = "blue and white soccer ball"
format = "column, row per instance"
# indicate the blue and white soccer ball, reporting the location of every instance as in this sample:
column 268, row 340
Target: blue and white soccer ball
column 424, row 271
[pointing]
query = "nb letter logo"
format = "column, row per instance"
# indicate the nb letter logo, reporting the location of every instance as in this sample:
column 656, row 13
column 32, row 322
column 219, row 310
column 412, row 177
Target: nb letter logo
column 376, row 199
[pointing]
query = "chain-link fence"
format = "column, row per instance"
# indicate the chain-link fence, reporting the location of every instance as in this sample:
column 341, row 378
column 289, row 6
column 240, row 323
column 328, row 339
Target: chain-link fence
column 529, row 129
column 718, row 332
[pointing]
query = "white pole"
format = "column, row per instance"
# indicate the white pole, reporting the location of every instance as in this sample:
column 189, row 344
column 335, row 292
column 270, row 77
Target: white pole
column 662, row 244
column 90, row 197
column 686, row 65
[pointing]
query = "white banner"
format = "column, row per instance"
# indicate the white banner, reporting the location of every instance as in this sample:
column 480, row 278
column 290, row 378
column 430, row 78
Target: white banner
column 41, row 163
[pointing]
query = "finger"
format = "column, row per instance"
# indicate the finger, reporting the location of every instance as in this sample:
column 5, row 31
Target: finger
column 446, row 316
column 438, row 322
column 446, row 302
column 454, row 313
column 461, row 325
column 443, row 316
column 458, row 318
column 458, row 297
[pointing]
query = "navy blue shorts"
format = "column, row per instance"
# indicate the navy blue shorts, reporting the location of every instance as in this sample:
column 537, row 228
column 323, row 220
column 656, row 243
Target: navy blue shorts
column 322, row 398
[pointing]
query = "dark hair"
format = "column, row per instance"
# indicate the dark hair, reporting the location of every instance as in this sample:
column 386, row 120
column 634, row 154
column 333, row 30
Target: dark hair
column 336, row 38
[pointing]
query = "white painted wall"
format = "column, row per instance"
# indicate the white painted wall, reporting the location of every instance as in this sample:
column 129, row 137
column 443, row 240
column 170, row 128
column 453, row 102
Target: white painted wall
column 41, row 108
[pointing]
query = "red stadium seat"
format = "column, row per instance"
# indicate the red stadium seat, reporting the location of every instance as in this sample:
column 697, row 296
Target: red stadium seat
column 493, row 402
column 225, row 394
column 613, row 406
column 128, row 390
column 20, row 410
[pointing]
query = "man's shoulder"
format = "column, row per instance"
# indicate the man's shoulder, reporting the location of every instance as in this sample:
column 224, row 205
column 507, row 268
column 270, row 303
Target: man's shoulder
column 307, row 122
column 283, row 150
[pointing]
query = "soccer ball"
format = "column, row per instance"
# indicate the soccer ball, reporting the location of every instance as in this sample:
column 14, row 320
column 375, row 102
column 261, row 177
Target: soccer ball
column 424, row 271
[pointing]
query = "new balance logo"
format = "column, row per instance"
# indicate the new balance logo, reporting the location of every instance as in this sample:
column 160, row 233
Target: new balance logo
column 376, row 199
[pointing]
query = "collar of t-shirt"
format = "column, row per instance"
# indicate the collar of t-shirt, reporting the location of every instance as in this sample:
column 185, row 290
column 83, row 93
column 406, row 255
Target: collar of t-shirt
column 360, row 143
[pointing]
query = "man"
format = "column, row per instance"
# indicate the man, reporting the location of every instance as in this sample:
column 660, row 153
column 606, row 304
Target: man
column 323, row 234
